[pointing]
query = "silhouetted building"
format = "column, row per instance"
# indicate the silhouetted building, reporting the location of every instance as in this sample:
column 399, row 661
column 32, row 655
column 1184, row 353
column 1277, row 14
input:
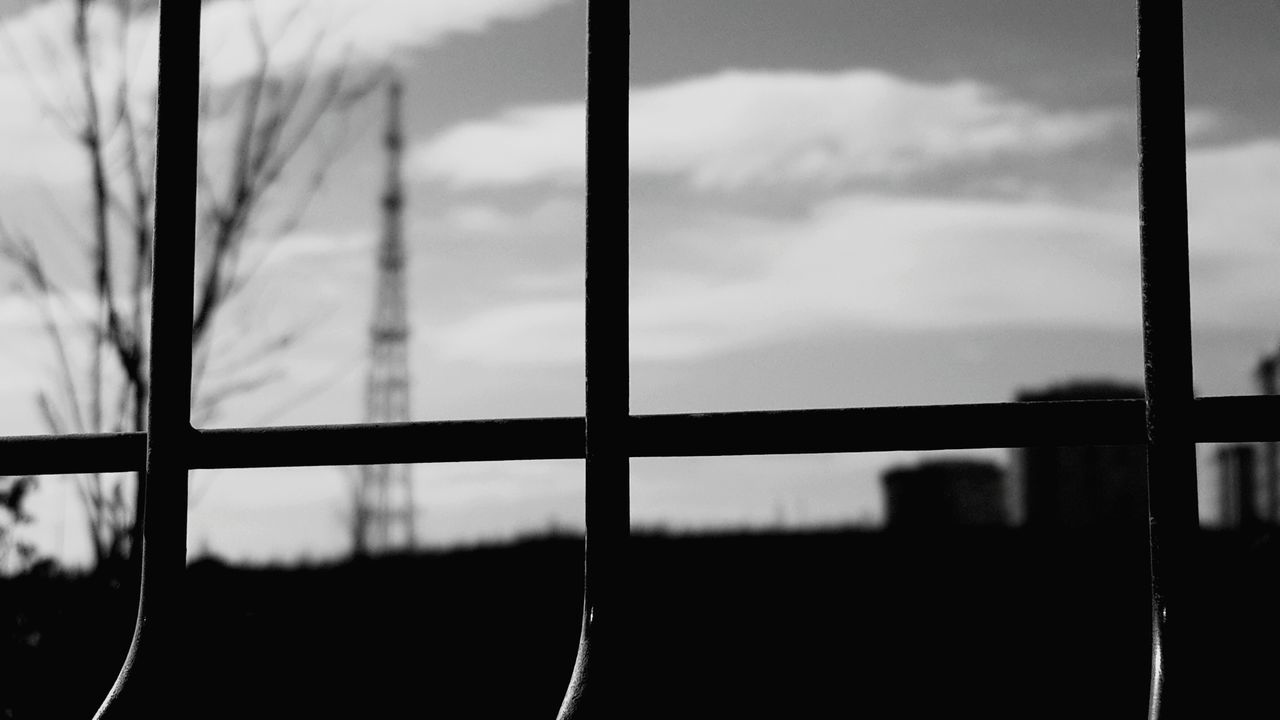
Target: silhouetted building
column 1238, row 485
column 1078, row 487
column 1269, row 384
column 945, row 493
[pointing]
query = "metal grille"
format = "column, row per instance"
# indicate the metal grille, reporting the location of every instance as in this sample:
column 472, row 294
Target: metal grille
column 1170, row 420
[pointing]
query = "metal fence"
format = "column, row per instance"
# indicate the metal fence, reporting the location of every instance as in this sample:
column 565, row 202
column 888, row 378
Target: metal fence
column 1170, row 420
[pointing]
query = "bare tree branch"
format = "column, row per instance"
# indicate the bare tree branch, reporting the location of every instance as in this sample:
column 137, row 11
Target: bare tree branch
column 273, row 115
column 22, row 254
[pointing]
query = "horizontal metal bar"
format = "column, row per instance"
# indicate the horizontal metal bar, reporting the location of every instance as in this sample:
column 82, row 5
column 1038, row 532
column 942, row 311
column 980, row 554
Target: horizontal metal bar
column 392, row 443
column 72, row 454
column 920, row 427
column 935, row 427
column 1251, row 418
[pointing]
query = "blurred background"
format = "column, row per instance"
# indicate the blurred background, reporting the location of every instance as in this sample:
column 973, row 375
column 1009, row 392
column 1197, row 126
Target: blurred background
column 832, row 205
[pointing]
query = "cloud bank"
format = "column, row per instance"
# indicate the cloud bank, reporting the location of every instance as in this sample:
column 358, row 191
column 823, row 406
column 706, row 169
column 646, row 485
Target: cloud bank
column 910, row 262
column 738, row 128
column 858, row 260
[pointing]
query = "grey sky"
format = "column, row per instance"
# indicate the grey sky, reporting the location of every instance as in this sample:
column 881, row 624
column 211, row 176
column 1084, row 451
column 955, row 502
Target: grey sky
column 791, row 246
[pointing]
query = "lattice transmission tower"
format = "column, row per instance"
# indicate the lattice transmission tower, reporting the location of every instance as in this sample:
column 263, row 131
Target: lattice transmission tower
column 383, row 517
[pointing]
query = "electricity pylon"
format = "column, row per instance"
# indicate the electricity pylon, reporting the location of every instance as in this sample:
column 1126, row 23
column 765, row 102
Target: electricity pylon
column 383, row 516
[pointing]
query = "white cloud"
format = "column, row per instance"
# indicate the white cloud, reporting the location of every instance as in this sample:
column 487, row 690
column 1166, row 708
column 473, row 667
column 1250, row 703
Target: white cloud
column 915, row 263
column 39, row 67
column 309, row 245
column 555, row 216
column 330, row 32
column 324, row 33
column 858, row 260
column 529, row 332
column 738, row 128
column 905, row 262
column 524, row 145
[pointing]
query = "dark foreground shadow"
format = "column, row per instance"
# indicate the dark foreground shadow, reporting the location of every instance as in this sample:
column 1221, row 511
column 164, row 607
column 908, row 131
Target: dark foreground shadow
column 990, row 623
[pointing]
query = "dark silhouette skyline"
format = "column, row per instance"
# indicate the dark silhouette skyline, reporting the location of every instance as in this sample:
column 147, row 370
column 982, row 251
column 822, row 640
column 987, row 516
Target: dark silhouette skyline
column 945, row 493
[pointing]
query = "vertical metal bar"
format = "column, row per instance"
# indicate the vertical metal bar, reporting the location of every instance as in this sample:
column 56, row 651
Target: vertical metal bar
column 598, row 673
column 150, row 680
column 1166, row 314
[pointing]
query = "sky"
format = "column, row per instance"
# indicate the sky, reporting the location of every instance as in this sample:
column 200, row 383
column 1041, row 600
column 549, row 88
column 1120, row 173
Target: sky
column 833, row 204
